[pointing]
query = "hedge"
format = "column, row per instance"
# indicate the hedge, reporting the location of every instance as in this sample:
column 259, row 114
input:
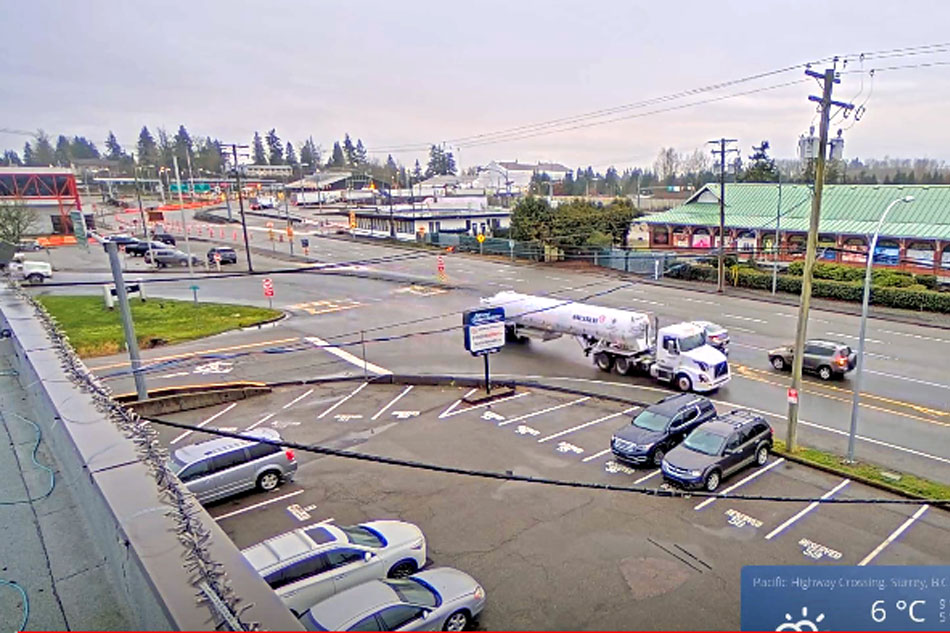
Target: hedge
column 907, row 298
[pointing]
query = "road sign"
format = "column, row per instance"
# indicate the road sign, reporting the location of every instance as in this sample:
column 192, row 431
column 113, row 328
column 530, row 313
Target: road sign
column 440, row 264
column 352, row 219
column 480, row 237
column 217, row 257
column 268, row 286
column 792, row 396
column 305, row 242
column 270, row 225
column 484, row 330
column 290, row 230
column 79, row 227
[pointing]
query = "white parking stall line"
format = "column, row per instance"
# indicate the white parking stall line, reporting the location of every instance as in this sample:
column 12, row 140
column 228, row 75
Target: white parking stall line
column 484, row 404
column 392, row 402
column 543, row 411
column 811, row 506
column 344, row 355
column 586, row 424
column 647, row 476
column 896, row 533
column 745, row 480
column 596, row 455
column 201, row 425
column 743, row 318
column 343, row 399
column 296, row 400
column 260, row 422
column 259, row 505
column 456, row 403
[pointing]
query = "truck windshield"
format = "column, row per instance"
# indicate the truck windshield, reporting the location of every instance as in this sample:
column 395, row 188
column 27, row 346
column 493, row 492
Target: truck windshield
column 704, row 442
column 651, row 421
column 692, row 342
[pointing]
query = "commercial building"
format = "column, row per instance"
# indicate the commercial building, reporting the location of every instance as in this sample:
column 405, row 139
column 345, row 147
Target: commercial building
column 268, row 171
column 50, row 191
column 502, row 175
column 412, row 223
column 914, row 237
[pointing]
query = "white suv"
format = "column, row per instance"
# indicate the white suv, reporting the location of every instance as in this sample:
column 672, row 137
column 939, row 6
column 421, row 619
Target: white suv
column 310, row 564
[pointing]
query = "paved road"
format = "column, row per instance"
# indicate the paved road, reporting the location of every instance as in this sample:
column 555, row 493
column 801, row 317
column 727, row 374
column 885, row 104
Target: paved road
column 905, row 409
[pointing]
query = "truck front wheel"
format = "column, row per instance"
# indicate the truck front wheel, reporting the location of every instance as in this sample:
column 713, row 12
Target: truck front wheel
column 35, row 278
column 683, row 382
column 623, row 365
column 603, row 360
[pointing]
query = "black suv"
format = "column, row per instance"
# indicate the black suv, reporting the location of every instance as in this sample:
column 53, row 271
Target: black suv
column 658, row 428
column 164, row 238
column 717, row 449
column 228, row 255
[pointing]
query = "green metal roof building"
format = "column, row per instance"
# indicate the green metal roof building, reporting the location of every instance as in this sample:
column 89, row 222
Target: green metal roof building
column 917, row 234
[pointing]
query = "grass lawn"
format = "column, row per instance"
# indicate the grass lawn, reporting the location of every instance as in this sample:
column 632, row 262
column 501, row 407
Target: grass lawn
column 95, row 331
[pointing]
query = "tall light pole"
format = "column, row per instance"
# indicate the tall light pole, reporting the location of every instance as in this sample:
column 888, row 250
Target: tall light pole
column 778, row 220
column 184, row 222
column 856, row 383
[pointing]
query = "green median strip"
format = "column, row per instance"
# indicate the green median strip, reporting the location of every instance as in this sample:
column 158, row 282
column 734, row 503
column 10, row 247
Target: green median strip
column 95, row 330
column 870, row 474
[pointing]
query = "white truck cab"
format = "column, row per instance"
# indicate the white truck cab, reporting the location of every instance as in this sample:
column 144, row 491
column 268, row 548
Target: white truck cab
column 685, row 359
column 33, row 272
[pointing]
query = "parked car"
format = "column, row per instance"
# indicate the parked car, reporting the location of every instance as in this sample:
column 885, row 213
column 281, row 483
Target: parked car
column 310, row 564
column 228, row 254
column 658, row 428
column 122, row 239
column 165, row 238
column 32, row 272
column 716, row 335
column 224, row 467
column 717, row 449
column 29, row 245
column 170, row 257
column 828, row 359
column 440, row 599
column 140, row 249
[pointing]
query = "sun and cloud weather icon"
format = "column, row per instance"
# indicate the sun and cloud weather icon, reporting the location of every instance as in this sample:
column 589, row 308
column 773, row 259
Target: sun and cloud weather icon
column 805, row 624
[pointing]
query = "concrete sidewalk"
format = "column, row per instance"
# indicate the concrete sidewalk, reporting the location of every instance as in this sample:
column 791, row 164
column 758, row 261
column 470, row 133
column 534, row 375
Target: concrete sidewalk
column 43, row 548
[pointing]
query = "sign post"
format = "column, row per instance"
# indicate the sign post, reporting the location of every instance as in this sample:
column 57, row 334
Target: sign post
column 484, row 335
column 268, row 286
column 481, row 243
column 217, row 260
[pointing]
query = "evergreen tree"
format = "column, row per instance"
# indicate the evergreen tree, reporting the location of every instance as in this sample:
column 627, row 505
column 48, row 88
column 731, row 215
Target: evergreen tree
column 436, row 165
column 403, row 177
column 43, row 153
column 275, row 150
column 568, row 184
column 391, row 168
column 448, row 165
column 147, row 149
column 209, row 155
column 762, row 167
column 417, row 172
column 338, row 158
column 165, row 148
column 290, row 155
column 349, row 152
column 11, row 159
column 81, row 147
column 359, row 154
column 114, row 151
column 260, row 157
column 61, row 153
column 184, row 146
column 309, row 154
column 27, row 153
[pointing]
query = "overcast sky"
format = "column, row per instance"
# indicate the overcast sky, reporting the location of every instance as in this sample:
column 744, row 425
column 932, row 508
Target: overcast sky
column 405, row 73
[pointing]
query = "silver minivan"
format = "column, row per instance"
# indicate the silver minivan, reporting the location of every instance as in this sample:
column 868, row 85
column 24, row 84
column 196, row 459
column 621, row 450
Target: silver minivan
column 224, row 467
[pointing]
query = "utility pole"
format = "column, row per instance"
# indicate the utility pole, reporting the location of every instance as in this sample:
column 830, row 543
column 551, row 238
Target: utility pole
column 237, row 175
column 138, row 197
column 191, row 175
column 127, row 326
column 290, row 225
column 829, row 80
column 722, row 151
column 778, row 220
column 184, row 222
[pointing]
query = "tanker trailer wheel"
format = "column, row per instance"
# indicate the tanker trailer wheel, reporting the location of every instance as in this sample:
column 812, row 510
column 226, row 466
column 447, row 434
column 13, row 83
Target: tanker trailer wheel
column 623, row 365
column 603, row 360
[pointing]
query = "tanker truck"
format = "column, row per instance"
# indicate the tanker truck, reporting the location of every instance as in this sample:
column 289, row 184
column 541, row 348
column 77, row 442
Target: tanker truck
column 622, row 340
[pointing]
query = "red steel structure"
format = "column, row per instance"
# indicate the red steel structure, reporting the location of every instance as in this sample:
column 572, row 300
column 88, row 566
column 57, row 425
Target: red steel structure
column 42, row 186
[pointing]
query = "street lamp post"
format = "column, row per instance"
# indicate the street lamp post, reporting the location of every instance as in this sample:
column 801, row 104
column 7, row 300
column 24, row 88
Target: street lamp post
column 503, row 172
column 856, row 386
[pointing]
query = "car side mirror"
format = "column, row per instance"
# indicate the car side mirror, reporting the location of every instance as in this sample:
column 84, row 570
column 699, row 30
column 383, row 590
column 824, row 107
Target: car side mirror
column 367, row 556
column 425, row 614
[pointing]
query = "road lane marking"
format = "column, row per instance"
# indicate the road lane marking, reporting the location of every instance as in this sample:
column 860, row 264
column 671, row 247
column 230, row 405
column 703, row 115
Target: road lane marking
column 702, row 301
column 742, row 329
column 392, row 402
column 586, row 424
column 811, row 506
column 645, row 477
column 890, row 539
column 755, row 347
column 456, row 403
column 916, row 336
column 764, row 469
column 543, row 411
column 259, row 505
column 843, row 335
column 158, row 359
column 344, row 355
column 296, row 400
column 917, row 380
column 743, row 318
column 596, row 455
column 174, row 375
column 484, row 404
column 343, row 399
column 201, row 425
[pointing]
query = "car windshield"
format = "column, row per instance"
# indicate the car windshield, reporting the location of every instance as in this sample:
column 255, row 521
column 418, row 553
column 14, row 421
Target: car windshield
column 359, row 535
column 414, row 592
column 704, row 442
column 175, row 465
column 692, row 342
column 651, row 421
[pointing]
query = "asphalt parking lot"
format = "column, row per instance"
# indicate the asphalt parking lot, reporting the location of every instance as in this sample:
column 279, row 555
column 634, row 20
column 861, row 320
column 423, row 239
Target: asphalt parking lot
column 554, row 558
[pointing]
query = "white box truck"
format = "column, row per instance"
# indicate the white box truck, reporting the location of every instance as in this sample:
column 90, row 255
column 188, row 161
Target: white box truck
column 621, row 340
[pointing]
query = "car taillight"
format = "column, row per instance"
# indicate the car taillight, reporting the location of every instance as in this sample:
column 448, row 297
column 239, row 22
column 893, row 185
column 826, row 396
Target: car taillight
column 842, row 361
column 290, row 455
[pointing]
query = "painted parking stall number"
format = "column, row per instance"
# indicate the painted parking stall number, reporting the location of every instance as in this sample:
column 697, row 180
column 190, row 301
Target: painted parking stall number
column 818, row 551
column 741, row 520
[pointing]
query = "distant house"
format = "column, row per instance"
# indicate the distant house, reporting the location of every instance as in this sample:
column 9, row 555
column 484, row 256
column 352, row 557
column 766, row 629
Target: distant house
column 502, row 175
column 268, row 171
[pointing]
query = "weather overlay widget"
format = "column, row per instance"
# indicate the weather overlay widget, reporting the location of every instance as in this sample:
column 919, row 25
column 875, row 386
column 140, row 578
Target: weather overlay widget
column 845, row 598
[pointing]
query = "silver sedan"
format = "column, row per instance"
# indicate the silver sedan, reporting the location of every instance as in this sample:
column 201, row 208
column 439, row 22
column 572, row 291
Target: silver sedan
column 440, row 599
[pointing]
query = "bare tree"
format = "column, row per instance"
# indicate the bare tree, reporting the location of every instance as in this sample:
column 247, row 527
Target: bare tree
column 697, row 162
column 667, row 164
column 16, row 220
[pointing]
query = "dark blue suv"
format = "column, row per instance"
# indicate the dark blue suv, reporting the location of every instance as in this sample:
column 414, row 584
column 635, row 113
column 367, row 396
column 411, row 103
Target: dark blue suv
column 658, row 428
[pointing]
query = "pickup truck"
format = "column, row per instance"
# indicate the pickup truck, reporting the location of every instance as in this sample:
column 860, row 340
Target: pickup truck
column 33, row 272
